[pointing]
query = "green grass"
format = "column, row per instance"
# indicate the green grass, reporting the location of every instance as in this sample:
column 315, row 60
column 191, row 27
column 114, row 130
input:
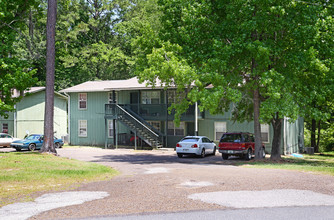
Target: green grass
column 317, row 163
column 25, row 173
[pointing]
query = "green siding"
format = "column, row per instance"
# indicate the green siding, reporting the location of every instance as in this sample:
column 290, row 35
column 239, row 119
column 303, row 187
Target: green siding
column 9, row 121
column 96, row 132
column 30, row 115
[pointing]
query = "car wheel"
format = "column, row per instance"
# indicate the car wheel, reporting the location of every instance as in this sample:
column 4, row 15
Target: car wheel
column 225, row 156
column 32, row 147
column 203, row 153
column 248, row 155
column 214, row 151
column 57, row 145
column 263, row 153
column 180, row 155
column 17, row 149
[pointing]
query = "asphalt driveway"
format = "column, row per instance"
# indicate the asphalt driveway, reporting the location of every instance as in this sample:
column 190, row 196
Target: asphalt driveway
column 160, row 182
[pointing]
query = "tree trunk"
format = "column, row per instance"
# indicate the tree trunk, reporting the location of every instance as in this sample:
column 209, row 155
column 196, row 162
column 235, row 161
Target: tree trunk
column 276, row 144
column 313, row 128
column 257, row 126
column 316, row 149
column 48, row 144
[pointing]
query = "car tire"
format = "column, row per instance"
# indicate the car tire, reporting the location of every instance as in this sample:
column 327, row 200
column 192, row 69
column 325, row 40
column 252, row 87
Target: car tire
column 180, row 155
column 214, row 151
column 57, row 145
column 248, row 155
column 32, row 147
column 225, row 156
column 263, row 153
column 17, row 149
column 203, row 153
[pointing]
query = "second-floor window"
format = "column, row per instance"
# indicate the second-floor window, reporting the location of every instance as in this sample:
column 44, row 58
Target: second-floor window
column 150, row 97
column 82, row 100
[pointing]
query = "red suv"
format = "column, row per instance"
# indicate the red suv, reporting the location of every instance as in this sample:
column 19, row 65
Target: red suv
column 238, row 143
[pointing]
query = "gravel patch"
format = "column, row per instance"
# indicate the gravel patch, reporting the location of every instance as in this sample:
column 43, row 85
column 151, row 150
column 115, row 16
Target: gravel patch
column 267, row 198
column 47, row 202
column 156, row 170
column 196, row 184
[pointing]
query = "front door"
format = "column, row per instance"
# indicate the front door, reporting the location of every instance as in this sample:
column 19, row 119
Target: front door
column 134, row 101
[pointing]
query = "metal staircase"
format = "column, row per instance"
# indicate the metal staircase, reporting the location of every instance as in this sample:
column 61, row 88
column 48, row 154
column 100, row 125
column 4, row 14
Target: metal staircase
column 136, row 124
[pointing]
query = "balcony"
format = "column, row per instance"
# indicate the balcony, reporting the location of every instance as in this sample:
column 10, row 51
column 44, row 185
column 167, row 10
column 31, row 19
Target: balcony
column 152, row 112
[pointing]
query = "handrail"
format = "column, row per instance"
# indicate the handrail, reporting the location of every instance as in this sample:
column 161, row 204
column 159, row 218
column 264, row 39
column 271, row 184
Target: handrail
column 137, row 120
column 141, row 119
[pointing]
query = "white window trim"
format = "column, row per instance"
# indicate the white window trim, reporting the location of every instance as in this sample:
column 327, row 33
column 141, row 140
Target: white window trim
column 149, row 98
column 79, row 101
column 110, row 121
column 79, row 127
column 268, row 127
column 182, row 124
column 215, row 130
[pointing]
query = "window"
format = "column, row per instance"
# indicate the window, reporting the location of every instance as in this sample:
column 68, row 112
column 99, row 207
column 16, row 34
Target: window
column 220, row 129
column 150, row 97
column 5, row 128
column 265, row 133
column 110, row 129
column 174, row 97
column 111, row 98
column 82, row 100
column 82, row 128
column 155, row 124
column 177, row 131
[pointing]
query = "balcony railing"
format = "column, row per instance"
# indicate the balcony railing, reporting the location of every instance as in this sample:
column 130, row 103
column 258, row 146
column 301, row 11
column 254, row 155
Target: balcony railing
column 153, row 111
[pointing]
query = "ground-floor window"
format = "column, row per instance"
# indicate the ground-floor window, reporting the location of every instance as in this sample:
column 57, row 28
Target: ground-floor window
column 177, row 131
column 82, row 128
column 265, row 133
column 110, row 128
column 220, row 129
column 5, row 128
column 155, row 124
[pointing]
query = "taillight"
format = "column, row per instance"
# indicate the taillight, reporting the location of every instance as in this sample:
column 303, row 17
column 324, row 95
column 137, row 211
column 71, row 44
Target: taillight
column 194, row 146
column 178, row 145
column 243, row 146
column 220, row 145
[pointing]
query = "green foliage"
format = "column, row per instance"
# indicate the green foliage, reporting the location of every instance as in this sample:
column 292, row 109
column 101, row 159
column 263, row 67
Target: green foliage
column 15, row 73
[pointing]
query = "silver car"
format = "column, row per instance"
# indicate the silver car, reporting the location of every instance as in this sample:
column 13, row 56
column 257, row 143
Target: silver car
column 6, row 139
column 195, row 145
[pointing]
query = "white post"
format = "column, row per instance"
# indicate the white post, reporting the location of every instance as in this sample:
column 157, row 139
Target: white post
column 196, row 119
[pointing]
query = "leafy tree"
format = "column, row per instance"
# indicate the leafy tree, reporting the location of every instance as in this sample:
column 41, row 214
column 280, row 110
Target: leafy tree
column 256, row 54
column 15, row 73
column 88, row 46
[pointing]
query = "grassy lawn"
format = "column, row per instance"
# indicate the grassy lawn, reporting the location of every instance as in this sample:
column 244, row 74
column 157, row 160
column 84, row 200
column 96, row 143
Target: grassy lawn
column 318, row 163
column 23, row 173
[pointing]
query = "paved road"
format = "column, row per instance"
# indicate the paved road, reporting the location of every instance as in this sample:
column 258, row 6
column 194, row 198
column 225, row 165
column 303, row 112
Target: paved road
column 164, row 186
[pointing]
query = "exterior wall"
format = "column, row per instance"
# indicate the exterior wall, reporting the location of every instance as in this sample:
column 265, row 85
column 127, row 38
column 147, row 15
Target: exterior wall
column 9, row 121
column 30, row 115
column 292, row 135
column 206, row 127
column 94, row 114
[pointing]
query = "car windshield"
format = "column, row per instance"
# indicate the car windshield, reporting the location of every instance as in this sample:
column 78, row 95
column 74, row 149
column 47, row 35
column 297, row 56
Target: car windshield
column 33, row 137
column 190, row 140
column 231, row 138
